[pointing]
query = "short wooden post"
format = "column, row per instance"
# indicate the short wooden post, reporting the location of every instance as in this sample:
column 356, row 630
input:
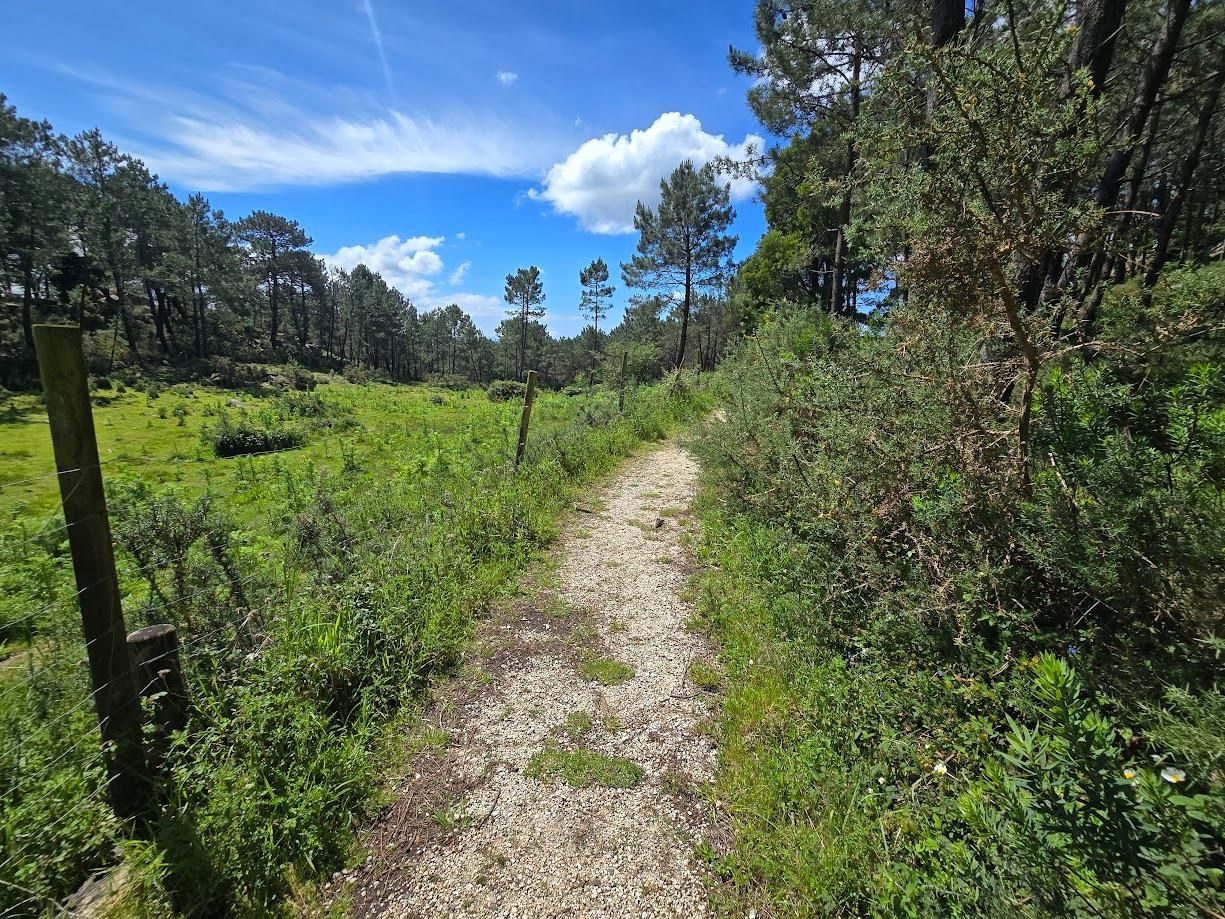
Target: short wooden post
column 625, row 356
column 528, row 396
column 61, row 364
column 159, row 675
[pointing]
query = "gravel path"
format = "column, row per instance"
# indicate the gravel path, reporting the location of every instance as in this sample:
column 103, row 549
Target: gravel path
column 479, row 827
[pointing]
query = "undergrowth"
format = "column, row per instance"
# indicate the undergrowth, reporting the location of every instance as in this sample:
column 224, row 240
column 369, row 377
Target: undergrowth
column 952, row 691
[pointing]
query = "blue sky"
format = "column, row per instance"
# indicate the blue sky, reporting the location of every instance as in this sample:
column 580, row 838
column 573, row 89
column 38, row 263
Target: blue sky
column 443, row 143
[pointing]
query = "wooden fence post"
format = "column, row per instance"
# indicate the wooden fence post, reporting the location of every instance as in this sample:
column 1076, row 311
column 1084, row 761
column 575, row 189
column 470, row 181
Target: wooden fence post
column 528, row 396
column 625, row 356
column 61, row 364
column 159, row 677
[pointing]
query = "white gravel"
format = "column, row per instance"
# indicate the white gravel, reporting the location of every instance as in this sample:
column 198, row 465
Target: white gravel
column 531, row 848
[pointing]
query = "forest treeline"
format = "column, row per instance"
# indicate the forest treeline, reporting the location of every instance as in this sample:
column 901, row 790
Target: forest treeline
column 968, row 541
column 89, row 235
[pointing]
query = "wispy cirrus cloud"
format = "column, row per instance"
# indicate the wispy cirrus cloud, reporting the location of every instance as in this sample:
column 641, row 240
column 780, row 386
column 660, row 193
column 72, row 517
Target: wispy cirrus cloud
column 506, row 77
column 255, row 129
column 377, row 35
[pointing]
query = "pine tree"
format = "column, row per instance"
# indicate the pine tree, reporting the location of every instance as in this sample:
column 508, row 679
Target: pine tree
column 525, row 293
column 594, row 302
column 684, row 243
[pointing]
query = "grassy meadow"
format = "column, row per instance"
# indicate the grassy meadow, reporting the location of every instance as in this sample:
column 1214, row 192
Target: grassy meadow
column 315, row 589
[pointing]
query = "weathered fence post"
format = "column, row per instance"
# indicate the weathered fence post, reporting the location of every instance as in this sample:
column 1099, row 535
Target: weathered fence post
column 155, row 665
column 159, row 678
column 61, row 364
column 625, row 356
column 528, row 396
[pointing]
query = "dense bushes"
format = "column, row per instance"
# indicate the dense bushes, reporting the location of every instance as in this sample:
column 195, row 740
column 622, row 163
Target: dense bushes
column 505, row 390
column 235, row 436
column 281, row 424
column 958, row 688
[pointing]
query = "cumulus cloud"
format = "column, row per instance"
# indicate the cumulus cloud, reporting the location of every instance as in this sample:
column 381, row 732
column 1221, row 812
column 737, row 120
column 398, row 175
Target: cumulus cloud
column 411, row 265
column 601, row 181
column 507, row 77
column 486, row 311
column 457, row 276
column 406, row 264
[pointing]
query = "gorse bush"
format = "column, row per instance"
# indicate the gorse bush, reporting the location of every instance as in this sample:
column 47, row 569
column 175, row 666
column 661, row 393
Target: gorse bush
column 505, row 390
column 234, row 436
column 955, row 687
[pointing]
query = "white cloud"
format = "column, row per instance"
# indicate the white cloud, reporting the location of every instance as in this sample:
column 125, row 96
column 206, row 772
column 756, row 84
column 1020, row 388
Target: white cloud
column 457, row 276
column 601, row 181
column 461, row 235
column 485, row 311
column 411, row 266
column 406, row 264
column 253, row 128
column 507, row 77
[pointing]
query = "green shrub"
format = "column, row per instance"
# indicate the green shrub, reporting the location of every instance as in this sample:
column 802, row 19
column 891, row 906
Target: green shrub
column 885, row 584
column 505, row 390
column 232, row 436
column 1077, row 824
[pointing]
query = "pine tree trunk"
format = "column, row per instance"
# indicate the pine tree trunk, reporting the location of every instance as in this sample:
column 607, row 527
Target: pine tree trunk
column 1169, row 219
column 27, row 303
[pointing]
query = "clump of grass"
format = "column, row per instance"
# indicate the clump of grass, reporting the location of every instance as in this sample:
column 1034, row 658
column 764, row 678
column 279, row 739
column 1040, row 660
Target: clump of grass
column 450, row 819
column 704, row 676
column 611, row 724
column 605, row 671
column 584, row 636
column 556, row 607
column 429, row 739
column 583, row 768
column 578, row 724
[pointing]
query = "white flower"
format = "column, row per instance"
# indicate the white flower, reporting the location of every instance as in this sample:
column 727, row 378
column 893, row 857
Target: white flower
column 1131, row 775
column 940, row 769
column 1172, row 775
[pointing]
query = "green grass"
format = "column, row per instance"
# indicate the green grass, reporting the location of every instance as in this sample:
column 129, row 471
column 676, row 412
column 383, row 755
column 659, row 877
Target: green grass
column 583, row 768
column 605, row 671
column 705, row 676
column 354, row 568
column 578, row 724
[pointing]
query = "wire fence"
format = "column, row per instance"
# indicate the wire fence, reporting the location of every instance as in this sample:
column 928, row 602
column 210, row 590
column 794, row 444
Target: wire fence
column 51, row 762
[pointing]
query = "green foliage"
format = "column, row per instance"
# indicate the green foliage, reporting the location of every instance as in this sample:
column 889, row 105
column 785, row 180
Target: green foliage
column 889, row 592
column 234, row 436
column 505, row 390
column 315, row 593
column 583, row 768
column 1078, row 826
column 605, row 671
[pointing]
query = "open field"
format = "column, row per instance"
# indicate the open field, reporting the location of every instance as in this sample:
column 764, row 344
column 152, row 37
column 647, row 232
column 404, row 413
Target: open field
column 314, row 589
column 161, row 436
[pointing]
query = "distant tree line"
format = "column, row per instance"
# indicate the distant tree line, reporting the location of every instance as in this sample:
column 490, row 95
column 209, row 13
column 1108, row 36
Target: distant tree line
column 89, row 235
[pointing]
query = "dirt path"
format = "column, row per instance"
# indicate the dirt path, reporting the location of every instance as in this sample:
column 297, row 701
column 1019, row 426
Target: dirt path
column 551, row 794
